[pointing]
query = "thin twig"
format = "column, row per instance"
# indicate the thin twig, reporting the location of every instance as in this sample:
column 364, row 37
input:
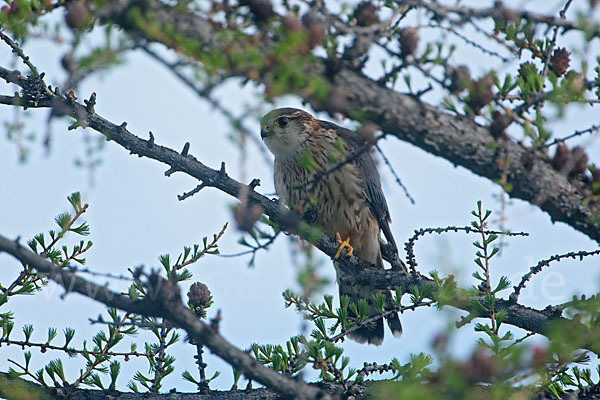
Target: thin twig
column 591, row 129
column 100, row 356
column 410, row 243
column 378, row 316
column 69, row 350
column 254, row 249
column 545, row 263
column 471, row 42
column 206, row 249
column 310, row 184
column 96, row 273
column 28, row 373
column 18, row 51
column 159, row 370
column 203, row 385
column 205, row 93
column 192, row 192
column 396, row 177
column 550, row 48
column 486, row 256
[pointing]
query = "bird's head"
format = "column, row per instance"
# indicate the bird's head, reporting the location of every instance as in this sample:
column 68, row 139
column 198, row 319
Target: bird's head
column 284, row 131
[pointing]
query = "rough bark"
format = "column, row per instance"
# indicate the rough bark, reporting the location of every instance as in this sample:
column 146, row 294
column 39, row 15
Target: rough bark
column 8, row 387
column 166, row 303
column 462, row 142
column 456, row 138
column 530, row 319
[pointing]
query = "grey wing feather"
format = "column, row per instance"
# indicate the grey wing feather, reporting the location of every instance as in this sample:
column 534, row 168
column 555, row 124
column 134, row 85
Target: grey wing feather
column 372, row 183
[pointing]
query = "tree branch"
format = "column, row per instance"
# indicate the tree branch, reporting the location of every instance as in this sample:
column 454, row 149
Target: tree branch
column 462, row 142
column 165, row 301
column 455, row 138
column 497, row 12
column 10, row 386
column 518, row 315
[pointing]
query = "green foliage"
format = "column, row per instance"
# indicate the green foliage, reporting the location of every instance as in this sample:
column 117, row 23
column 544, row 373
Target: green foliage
column 20, row 16
column 288, row 361
column 66, row 222
column 290, row 72
column 530, row 81
column 570, row 89
column 414, row 371
column 160, row 363
column 191, row 254
column 507, row 86
column 502, row 366
column 12, row 388
column 190, row 378
column 103, row 57
column 309, row 232
column 99, row 353
column 15, row 132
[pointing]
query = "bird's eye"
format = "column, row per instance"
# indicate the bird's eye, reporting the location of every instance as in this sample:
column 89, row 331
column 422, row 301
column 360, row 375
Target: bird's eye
column 282, row 121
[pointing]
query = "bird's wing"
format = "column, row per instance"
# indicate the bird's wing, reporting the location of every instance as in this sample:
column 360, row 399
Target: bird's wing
column 370, row 178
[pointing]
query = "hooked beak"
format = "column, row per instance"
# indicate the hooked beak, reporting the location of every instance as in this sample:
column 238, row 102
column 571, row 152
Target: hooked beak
column 265, row 133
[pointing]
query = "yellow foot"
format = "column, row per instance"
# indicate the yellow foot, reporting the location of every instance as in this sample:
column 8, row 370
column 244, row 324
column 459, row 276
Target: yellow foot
column 345, row 243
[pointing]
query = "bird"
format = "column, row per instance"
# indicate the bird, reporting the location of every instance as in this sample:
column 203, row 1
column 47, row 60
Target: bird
column 325, row 171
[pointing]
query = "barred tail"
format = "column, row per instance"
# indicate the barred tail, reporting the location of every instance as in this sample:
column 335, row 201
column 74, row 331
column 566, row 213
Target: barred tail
column 374, row 332
column 394, row 324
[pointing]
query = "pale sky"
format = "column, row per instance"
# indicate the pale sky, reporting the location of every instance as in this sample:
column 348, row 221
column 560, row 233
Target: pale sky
column 135, row 216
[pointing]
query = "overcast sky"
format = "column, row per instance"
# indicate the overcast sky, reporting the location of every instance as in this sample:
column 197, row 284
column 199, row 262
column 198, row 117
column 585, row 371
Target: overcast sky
column 135, row 216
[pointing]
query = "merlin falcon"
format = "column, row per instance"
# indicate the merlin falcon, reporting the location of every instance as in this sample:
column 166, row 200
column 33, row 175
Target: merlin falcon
column 314, row 176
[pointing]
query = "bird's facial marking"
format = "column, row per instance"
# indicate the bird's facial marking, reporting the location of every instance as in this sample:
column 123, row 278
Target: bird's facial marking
column 274, row 125
column 280, row 119
column 284, row 131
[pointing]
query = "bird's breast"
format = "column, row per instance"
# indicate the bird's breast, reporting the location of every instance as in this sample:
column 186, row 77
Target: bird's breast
column 337, row 198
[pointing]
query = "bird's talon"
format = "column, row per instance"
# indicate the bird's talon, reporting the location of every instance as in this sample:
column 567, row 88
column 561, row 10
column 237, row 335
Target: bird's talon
column 343, row 244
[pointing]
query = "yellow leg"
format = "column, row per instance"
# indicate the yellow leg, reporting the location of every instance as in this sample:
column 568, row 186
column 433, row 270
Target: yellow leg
column 344, row 243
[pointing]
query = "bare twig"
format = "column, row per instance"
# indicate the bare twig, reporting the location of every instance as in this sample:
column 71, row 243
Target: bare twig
column 86, row 270
column 591, row 129
column 545, row 263
column 410, row 243
column 550, row 48
column 253, row 251
column 18, row 51
column 396, row 177
column 470, row 42
column 462, row 14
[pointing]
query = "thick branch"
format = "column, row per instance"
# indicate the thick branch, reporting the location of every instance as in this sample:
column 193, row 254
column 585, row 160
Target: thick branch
column 527, row 318
column 520, row 316
column 455, row 138
column 462, row 142
column 166, row 303
column 11, row 387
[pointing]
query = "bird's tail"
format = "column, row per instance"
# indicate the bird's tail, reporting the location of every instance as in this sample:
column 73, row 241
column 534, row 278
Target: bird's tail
column 372, row 333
